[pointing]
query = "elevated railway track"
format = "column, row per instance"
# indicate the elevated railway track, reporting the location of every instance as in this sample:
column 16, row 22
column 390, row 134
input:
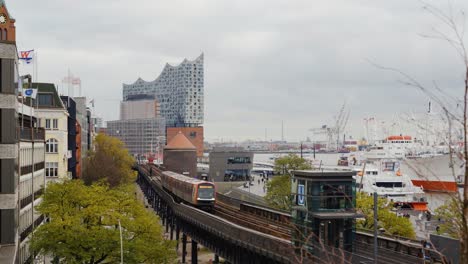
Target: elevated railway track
column 246, row 233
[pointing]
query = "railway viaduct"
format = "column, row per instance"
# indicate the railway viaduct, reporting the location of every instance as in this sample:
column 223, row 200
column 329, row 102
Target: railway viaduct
column 252, row 244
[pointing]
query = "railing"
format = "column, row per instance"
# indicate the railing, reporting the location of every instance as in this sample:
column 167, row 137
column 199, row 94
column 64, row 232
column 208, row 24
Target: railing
column 25, row 201
column 32, row 134
column 29, row 168
column 269, row 245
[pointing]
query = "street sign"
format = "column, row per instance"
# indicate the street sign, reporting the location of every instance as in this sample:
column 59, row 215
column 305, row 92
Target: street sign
column 301, row 194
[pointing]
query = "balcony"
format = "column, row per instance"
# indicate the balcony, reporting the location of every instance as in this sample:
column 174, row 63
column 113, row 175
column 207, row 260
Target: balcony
column 31, row 134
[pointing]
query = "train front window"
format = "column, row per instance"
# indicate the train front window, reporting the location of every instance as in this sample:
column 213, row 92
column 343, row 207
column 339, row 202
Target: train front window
column 205, row 192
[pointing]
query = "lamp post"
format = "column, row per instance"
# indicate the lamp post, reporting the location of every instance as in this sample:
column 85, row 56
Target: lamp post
column 375, row 226
column 121, row 243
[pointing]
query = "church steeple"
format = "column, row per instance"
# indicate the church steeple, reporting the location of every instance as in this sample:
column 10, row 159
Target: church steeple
column 7, row 24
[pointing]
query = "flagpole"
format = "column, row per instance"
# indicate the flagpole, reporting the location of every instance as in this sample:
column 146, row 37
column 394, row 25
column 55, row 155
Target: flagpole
column 36, row 63
column 20, row 84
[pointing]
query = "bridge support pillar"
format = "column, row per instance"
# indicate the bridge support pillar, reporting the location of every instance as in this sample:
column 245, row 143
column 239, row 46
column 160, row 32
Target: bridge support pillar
column 184, row 247
column 172, row 229
column 177, row 236
column 194, row 252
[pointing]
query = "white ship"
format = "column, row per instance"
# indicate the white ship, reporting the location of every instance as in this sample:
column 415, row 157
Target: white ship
column 432, row 168
column 384, row 176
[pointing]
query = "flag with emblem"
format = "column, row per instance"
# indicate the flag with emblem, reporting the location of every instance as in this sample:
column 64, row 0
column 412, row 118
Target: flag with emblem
column 27, row 56
column 30, row 93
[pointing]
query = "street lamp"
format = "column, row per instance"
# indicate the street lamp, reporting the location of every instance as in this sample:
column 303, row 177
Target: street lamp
column 121, row 243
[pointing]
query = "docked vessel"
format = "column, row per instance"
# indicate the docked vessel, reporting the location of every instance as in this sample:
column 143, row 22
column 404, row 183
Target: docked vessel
column 433, row 168
column 384, row 176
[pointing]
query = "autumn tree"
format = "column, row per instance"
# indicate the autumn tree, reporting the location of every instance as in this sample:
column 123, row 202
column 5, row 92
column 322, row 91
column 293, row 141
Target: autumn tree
column 388, row 220
column 279, row 187
column 84, row 226
column 109, row 162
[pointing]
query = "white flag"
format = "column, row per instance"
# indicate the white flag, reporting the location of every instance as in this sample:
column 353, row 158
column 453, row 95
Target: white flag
column 20, row 85
column 30, row 93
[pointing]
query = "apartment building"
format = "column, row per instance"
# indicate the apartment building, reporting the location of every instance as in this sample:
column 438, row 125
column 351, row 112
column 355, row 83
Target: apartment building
column 53, row 117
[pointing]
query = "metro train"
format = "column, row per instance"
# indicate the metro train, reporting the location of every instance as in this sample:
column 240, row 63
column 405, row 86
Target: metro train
column 199, row 193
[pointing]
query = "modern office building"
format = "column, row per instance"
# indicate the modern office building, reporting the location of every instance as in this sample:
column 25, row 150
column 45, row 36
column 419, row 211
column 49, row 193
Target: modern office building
column 53, row 117
column 323, row 209
column 8, row 141
column 194, row 134
column 230, row 164
column 141, row 136
column 139, row 107
column 70, row 105
column 32, row 180
column 179, row 91
column 21, row 155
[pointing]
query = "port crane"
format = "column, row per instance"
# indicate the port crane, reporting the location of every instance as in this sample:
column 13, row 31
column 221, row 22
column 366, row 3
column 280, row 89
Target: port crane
column 333, row 133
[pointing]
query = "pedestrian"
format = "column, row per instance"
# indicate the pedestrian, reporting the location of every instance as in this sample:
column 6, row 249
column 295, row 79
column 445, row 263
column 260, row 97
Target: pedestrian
column 437, row 229
column 258, row 181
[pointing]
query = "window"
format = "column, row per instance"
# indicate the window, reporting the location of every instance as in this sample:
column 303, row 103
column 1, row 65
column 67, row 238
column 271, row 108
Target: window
column 47, row 124
column 51, row 169
column 239, row 160
column 55, row 123
column 45, row 99
column 51, row 146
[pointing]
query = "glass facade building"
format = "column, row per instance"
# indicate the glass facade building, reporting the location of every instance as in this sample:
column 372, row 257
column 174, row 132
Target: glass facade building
column 141, row 136
column 179, row 91
column 323, row 209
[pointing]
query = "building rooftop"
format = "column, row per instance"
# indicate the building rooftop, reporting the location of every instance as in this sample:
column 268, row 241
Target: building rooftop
column 324, row 173
column 48, row 88
column 229, row 149
column 180, row 141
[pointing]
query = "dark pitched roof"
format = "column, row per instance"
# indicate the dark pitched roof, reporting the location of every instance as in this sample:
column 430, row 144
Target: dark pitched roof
column 48, row 88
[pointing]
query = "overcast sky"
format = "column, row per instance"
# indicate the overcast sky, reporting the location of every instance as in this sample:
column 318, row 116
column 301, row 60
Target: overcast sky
column 265, row 61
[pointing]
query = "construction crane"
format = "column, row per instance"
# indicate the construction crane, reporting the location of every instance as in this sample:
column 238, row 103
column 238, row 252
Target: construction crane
column 333, row 133
column 341, row 121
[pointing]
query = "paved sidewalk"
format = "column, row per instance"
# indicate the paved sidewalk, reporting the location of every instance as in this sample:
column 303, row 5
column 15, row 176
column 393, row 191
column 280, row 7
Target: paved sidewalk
column 257, row 187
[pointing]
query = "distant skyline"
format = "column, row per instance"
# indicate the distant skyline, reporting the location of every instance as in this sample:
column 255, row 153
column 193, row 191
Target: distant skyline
column 265, row 61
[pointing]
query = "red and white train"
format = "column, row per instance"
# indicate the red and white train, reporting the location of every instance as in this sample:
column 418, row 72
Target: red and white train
column 194, row 191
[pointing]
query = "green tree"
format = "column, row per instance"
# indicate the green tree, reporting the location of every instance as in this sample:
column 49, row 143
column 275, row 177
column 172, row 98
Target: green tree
column 451, row 215
column 109, row 162
column 388, row 220
column 279, row 188
column 290, row 162
column 279, row 193
column 84, row 226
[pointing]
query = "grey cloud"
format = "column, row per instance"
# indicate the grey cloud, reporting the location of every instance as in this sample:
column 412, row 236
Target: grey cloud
column 265, row 61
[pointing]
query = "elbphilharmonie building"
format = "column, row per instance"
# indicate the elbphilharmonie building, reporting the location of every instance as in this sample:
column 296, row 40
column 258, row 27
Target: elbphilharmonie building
column 178, row 90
